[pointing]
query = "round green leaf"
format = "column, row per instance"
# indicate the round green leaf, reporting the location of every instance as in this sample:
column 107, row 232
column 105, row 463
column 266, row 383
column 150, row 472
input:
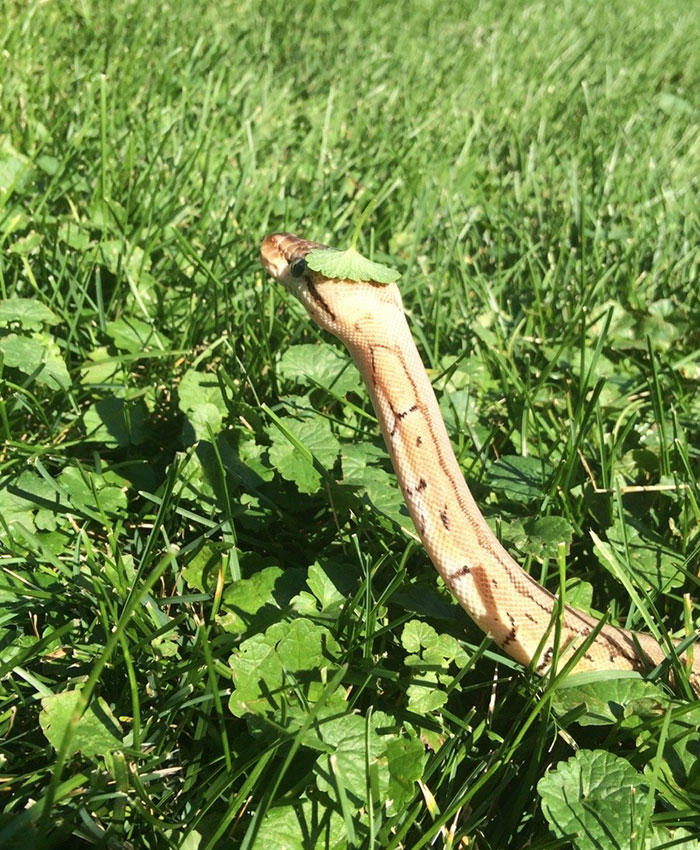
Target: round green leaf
column 349, row 265
column 594, row 800
column 96, row 733
column 27, row 312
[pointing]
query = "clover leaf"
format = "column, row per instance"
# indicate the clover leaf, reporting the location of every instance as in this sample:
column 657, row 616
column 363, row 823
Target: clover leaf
column 349, row 265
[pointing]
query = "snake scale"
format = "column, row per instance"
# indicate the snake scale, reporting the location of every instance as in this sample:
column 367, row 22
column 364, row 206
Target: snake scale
column 502, row 599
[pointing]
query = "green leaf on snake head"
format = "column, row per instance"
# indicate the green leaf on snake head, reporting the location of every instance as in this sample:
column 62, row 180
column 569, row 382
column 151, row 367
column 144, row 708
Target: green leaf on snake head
column 349, row 265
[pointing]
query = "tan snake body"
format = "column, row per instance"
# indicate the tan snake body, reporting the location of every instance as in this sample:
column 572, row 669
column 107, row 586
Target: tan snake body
column 502, row 599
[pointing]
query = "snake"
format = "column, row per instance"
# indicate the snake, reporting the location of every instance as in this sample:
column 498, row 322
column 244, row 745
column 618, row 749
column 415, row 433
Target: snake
column 522, row 617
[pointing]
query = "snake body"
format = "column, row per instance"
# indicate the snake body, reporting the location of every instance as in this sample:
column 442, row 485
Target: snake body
column 502, row 599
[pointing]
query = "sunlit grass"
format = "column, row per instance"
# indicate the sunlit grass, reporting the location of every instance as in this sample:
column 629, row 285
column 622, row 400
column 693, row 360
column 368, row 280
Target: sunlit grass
column 533, row 171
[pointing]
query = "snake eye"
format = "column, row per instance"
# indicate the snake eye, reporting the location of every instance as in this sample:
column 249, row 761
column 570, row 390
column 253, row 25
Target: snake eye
column 297, row 267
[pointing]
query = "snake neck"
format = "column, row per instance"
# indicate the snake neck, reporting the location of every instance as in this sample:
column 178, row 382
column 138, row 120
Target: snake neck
column 427, row 470
column 460, row 544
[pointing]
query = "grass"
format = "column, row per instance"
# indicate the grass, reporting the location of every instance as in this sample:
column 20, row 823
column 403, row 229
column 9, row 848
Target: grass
column 217, row 629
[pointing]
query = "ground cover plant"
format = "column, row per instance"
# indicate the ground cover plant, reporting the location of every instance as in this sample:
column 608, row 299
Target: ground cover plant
column 217, row 628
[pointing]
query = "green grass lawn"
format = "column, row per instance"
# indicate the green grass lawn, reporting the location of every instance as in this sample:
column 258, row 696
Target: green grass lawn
column 217, row 628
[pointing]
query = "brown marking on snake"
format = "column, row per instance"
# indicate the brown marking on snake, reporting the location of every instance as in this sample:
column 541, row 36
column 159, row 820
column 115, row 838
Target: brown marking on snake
column 445, row 519
column 532, row 598
column 459, row 573
column 545, row 659
column 399, row 415
column 374, row 365
column 481, row 583
column 511, row 636
column 419, row 440
column 318, row 298
column 396, row 351
column 422, row 484
column 405, row 412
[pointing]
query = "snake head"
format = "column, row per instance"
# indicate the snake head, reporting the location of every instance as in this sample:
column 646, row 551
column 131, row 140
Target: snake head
column 283, row 256
column 346, row 308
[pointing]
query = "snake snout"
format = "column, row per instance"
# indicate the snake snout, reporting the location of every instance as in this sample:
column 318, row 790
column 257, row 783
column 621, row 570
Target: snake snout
column 273, row 257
